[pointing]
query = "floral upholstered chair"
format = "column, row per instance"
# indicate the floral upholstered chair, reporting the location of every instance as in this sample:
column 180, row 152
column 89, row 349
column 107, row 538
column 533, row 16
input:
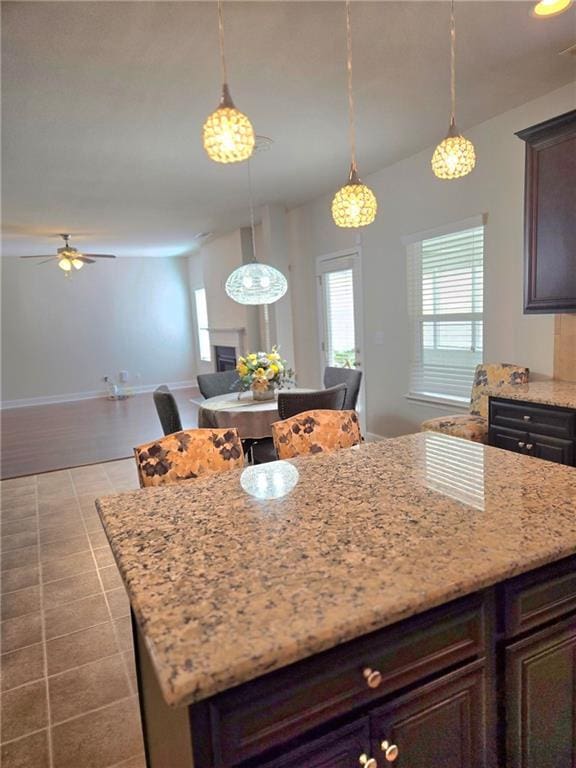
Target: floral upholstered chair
column 474, row 425
column 316, row 432
column 188, row 454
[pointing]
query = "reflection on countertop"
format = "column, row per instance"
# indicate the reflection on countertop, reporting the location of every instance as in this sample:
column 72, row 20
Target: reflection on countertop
column 226, row 586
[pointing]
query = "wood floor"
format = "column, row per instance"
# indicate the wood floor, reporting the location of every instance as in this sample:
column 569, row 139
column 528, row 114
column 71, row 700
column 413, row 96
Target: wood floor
column 44, row 438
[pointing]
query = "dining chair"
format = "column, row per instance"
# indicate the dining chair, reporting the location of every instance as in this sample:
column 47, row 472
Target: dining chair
column 188, row 454
column 291, row 403
column 349, row 376
column 221, row 383
column 488, row 378
column 167, row 410
column 316, row 432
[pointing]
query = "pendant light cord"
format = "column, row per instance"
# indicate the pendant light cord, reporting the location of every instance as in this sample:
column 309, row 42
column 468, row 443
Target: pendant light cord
column 252, row 222
column 452, row 64
column 352, row 125
column 221, row 41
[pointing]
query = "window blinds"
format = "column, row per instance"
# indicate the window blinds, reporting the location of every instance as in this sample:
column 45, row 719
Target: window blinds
column 202, row 324
column 445, row 286
column 339, row 303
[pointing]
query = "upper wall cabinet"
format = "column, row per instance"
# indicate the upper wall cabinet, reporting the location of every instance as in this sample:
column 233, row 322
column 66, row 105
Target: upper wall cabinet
column 550, row 215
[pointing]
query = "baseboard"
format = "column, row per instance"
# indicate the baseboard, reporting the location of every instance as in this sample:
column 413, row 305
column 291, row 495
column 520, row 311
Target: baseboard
column 77, row 396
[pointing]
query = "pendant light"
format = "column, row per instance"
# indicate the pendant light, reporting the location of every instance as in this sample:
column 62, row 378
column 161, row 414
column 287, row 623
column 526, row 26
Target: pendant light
column 354, row 205
column 255, row 283
column 454, row 157
column 228, row 135
column 546, row 8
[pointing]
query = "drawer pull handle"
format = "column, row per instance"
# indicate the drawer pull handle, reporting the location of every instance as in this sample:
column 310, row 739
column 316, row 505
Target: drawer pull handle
column 372, row 677
column 391, row 751
column 527, row 418
column 367, row 762
column 529, row 446
column 521, row 444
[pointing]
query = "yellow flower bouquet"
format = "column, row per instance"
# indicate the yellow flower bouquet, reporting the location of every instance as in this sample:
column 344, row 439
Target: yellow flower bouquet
column 263, row 372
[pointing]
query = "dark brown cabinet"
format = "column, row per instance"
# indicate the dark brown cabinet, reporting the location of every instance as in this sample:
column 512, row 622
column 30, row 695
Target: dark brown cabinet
column 487, row 681
column 549, row 220
column 543, row 431
column 442, row 724
column 341, row 748
column 541, row 699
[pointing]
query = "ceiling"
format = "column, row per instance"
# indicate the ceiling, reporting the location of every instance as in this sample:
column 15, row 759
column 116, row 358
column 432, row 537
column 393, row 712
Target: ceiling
column 103, row 105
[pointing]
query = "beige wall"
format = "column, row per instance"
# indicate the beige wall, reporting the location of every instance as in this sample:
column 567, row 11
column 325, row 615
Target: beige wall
column 412, row 200
column 61, row 336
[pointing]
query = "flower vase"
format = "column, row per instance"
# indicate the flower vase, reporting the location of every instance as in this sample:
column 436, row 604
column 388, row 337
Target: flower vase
column 263, row 394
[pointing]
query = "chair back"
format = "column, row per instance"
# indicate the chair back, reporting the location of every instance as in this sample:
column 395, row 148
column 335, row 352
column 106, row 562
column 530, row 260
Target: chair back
column 491, row 376
column 316, row 432
column 349, row 376
column 291, row 403
column 188, row 454
column 212, row 384
column 167, row 410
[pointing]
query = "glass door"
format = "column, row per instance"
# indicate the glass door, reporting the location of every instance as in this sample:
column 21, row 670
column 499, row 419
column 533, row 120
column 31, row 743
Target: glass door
column 339, row 300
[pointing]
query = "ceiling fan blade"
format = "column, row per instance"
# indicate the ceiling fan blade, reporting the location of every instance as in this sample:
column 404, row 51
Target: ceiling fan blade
column 99, row 255
column 85, row 260
column 52, row 258
column 39, row 256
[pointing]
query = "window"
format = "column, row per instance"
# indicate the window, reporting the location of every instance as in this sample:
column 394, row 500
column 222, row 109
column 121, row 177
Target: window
column 202, row 324
column 340, row 344
column 445, row 286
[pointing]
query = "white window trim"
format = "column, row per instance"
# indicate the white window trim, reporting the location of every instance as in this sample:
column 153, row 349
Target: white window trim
column 431, row 399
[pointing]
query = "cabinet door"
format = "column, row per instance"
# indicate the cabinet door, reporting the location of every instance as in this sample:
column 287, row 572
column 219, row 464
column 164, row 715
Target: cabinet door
column 509, row 439
column 440, row 725
column 551, row 448
column 341, row 748
column 541, row 699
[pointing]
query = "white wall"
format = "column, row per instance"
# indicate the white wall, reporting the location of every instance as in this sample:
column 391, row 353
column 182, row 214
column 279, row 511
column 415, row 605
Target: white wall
column 61, row 336
column 209, row 269
column 412, row 200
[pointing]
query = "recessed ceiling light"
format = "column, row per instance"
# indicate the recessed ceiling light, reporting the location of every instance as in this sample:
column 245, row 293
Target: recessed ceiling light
column 547, row 8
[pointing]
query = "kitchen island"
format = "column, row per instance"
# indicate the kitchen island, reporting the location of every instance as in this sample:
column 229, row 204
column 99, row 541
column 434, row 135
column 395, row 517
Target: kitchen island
column 402, row 602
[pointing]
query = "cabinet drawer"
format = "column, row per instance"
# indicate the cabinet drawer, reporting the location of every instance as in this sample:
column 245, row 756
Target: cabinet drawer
column 508, row 439
column 256, row 716
column 543, row 420
column 539, row 597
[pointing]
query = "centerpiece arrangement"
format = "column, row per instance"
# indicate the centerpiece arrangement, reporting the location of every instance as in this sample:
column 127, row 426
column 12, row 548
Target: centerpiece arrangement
column 263, row 373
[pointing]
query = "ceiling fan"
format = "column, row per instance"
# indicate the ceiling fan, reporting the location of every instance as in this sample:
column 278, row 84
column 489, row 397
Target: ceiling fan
column 69, row 257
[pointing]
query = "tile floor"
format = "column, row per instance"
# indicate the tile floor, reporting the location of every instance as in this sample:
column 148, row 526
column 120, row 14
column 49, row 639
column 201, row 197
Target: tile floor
column 68, row 691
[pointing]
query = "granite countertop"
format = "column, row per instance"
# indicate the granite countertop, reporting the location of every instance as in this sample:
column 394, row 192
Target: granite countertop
column 551, row 392
column 227, row 587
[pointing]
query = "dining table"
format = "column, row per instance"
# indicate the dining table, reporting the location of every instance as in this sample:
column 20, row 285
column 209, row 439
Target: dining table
column 252, row 418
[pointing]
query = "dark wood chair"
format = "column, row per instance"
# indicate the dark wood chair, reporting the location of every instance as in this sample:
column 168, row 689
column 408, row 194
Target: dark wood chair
column 167, row 410
column 349, row 376
column 213, row 384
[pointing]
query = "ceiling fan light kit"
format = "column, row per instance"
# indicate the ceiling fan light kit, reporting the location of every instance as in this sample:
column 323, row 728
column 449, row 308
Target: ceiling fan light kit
column 228, row 135
column 69, row 258
column 354, row 205
column 455, row 156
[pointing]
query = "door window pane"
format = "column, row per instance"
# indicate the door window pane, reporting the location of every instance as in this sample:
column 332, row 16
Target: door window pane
column 340, row 331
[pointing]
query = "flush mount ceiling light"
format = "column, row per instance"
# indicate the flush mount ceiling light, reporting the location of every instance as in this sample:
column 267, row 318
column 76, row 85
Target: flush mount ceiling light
column 255, row 283
column 546, row 8
column 70, row 258
column 354, row 205
column 454, row 157
column 228, row 135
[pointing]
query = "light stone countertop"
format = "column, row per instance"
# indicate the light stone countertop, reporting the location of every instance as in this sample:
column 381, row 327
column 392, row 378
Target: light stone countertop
column 551, row 392
column 227, row 587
